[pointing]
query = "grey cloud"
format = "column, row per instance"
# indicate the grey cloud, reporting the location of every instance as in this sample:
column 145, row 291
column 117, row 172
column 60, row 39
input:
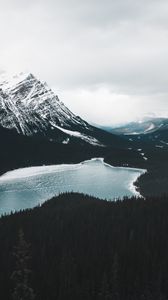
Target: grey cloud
column 73, row 44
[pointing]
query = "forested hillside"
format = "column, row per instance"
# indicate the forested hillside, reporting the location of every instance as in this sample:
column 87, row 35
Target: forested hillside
column 85, row 248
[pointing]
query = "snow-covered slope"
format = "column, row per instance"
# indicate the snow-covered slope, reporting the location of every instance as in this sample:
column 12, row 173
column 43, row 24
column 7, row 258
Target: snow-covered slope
column 31, row 108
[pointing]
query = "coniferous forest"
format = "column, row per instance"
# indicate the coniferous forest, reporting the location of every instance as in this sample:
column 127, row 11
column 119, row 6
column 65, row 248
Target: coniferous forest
column 78, row 247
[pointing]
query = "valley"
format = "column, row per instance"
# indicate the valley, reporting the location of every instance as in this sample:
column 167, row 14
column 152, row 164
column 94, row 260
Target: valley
column 37, row 129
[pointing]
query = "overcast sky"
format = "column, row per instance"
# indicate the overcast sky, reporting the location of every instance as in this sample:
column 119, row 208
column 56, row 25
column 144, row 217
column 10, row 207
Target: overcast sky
column 107, row 60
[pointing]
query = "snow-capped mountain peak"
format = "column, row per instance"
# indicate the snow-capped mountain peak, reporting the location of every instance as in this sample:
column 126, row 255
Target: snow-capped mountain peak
column 30, row 107
column 9, row 81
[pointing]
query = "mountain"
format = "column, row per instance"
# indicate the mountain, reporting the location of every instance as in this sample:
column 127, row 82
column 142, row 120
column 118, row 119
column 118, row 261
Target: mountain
column 142, row 127
column 152, row 132
column 31, row 108
column 36, row 128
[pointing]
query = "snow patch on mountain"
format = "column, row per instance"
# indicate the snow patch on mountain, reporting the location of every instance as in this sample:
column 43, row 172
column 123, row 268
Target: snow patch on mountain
column 151, row 127
column 77, row 134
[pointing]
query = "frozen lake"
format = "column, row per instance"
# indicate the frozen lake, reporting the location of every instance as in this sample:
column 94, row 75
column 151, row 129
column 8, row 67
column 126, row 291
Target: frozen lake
column 27, row 187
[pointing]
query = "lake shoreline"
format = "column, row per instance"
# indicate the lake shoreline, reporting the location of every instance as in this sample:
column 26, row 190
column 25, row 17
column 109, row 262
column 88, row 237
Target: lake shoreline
column 45, row 169
column 132, row 186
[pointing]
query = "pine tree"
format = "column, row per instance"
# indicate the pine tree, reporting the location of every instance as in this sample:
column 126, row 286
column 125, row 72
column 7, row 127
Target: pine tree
column 114, row 294
column 20, row 276
column 105, row 293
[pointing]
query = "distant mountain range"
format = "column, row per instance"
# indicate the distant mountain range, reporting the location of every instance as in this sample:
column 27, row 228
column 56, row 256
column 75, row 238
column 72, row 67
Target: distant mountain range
column 142, row 127
column 154, row 130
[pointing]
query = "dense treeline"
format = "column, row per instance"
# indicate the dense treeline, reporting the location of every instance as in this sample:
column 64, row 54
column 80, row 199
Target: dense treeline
column 23, row 151
column 155, row 181
column 85, row 248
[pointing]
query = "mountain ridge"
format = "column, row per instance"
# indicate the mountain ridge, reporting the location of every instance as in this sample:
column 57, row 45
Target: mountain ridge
column 31, row 108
